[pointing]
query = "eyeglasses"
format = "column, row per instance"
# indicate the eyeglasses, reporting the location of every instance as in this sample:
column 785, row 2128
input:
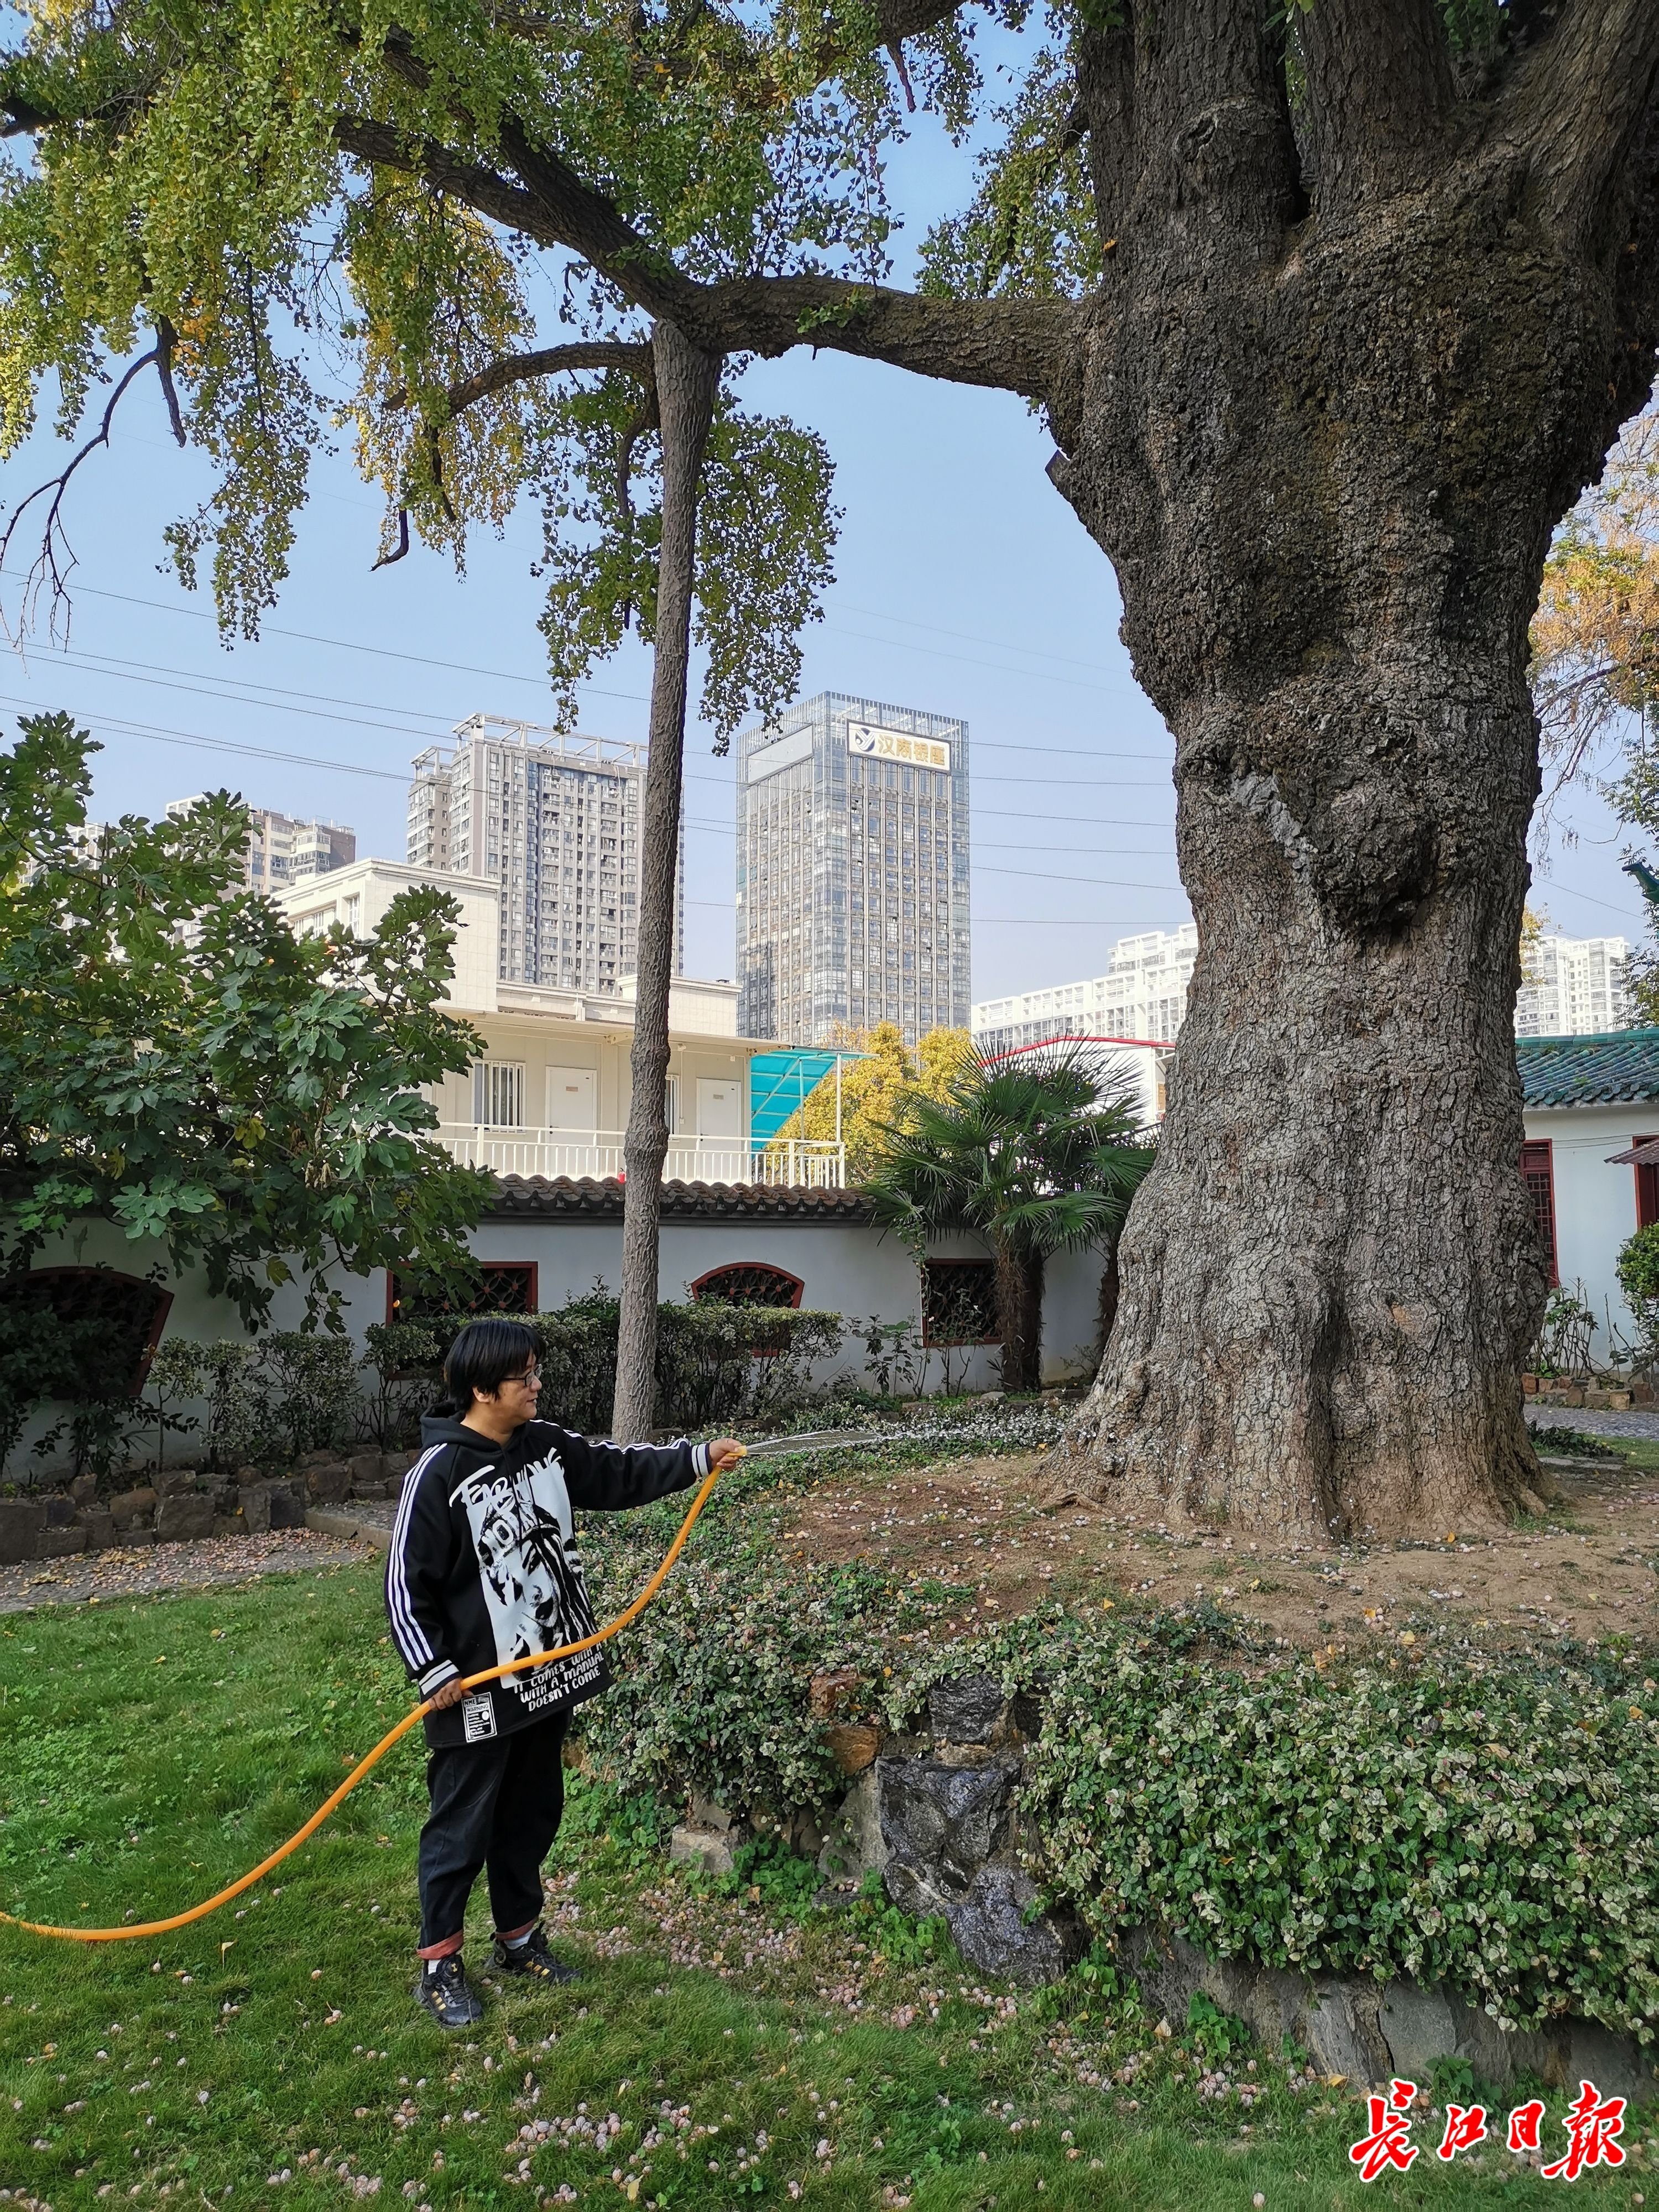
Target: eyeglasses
column 530, row 1378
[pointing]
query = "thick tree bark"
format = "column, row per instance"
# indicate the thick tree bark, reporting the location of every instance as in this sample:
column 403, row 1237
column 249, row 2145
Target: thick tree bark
column 687, row 381
column 1325, row 462
column 1019, row 1317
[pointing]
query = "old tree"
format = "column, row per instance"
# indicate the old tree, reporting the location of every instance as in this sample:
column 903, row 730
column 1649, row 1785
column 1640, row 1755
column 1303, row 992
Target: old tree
column 1332, row 312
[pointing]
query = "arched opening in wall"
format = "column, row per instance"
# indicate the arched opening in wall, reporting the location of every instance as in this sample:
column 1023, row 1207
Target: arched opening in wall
column 750, row 1283
column 99, row 1328
column 505, row 1286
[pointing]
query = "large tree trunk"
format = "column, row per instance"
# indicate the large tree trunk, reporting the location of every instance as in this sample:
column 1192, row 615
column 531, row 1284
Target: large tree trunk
column 1325, row 463
column 687, row 381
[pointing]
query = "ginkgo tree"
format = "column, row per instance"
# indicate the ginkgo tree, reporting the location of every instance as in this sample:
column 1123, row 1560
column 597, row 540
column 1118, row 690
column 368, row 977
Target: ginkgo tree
column 1331, row 311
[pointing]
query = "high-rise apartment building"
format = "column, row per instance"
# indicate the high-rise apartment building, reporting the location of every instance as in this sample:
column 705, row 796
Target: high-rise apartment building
column 853, row 870
column 281, row 850
column 1573, row 986
column 556, row 821
column 1142, row 995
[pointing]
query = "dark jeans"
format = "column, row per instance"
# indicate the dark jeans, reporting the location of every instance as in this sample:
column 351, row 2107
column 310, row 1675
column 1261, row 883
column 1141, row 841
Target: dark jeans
column 494, row 1804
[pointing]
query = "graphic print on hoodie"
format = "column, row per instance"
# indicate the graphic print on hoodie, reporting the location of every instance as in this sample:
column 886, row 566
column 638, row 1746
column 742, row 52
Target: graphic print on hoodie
column 484, row 1569
column 524, row 1535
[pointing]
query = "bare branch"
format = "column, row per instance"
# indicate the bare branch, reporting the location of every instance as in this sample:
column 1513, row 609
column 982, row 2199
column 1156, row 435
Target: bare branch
column 1381, row 97
column 401, row 551
column 633, row 358
column 166, row 338
column 53, row 565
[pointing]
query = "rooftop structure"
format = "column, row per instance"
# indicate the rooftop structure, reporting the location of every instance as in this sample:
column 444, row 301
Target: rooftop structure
column 282, row 849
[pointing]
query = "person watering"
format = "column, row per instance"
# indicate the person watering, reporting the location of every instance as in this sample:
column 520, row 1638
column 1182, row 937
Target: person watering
column 482, row 1569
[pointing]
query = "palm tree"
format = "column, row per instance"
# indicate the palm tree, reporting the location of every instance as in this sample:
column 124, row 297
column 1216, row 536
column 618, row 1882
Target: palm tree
column 1039, row 1153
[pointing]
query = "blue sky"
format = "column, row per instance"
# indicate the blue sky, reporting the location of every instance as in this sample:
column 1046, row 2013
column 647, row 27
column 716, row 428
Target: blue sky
column 965, row 584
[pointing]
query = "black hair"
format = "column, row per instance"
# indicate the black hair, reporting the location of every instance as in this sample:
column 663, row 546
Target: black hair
column 482, row 1358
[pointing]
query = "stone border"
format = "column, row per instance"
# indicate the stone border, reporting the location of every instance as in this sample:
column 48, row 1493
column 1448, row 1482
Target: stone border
column 936, row 1815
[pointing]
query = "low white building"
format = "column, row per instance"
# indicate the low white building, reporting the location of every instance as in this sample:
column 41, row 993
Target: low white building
column 1141, row 998
column 1572, row 987
column 1587, row 1100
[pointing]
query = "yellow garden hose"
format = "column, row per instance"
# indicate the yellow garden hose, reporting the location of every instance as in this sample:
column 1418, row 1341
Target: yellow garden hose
column 132, row 1933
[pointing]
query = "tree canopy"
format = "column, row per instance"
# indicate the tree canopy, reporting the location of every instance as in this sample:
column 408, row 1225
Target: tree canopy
column 879, row 1077
column 174, row 1060
column 1037, row 1153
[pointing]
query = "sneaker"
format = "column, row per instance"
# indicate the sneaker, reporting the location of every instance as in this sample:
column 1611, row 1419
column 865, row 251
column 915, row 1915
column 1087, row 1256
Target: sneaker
column 530, row 1957
column 446, row 1994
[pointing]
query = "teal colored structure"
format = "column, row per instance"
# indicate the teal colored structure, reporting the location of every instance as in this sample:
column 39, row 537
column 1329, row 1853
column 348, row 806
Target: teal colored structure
column 780, row 1083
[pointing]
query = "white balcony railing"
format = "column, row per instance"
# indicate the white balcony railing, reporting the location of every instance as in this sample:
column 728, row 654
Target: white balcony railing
column 552, row 1153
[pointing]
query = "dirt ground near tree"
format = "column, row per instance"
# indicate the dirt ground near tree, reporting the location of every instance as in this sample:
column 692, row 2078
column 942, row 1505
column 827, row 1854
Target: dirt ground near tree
column 1591, row 1570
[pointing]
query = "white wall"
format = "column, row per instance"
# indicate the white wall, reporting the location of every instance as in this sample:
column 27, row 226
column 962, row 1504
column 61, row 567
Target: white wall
column 1594, row 1203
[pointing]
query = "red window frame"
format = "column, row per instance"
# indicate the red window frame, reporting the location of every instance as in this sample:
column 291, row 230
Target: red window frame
column 782, row 1276
column 158, row 1321
column 1647, row 1188
column 481, row 1304
column 1538, row 1174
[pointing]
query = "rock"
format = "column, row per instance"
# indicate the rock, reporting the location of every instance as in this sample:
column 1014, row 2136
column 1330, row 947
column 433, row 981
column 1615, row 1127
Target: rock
column 84, row 1490
column 328, row 1484
column 253, row 1504
column 367, row 1466
column 398, row 1463
column 855, row 1845
column 132, row 1507
column 705, row 1847
column 287, row 1506
column 229, row 1524
column 968, row 1710
column 370, row 1489
column 831, row 1691
column 184, row 1518
column 941, row 1823
column 60, row 1511
column 995, row 1931
column 709, row 1812
column 852, row 1745
column 21, row 1520
column 100, row 1529
column 135, row 1539
column 173, row 1480
column 59, row 1543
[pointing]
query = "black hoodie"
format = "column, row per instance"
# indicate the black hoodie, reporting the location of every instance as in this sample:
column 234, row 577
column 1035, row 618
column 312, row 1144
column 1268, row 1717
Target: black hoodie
column 484, row 1568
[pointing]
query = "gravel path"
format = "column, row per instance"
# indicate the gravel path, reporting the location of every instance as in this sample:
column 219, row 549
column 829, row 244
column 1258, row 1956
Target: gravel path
column 102, row 1576
column 1633, row 1423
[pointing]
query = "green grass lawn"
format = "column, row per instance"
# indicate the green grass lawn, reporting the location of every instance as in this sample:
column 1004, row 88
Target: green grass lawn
column 727, row 2044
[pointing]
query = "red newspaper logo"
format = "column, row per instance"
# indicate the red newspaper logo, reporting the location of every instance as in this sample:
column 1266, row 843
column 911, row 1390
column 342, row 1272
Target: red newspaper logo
column 1465, row 2125
column 1525, row 2121
column 1594, row 2127
column 1387, row 2144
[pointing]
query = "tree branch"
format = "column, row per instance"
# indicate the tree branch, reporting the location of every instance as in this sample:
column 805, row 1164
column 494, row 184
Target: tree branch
column 52, row 564
column 1581, row 105
column 1023, row 346
column 634, row 359
column 1381, row 97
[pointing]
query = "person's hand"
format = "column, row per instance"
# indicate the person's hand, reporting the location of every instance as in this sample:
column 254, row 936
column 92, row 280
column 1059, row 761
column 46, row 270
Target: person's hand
column 724, row 1452
column 451, row 1694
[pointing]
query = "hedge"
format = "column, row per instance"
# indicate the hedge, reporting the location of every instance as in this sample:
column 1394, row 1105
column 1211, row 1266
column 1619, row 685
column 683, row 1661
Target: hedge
column 1490, row 1820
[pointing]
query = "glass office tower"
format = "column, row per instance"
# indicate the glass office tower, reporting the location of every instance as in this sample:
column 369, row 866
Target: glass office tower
column 853, row 870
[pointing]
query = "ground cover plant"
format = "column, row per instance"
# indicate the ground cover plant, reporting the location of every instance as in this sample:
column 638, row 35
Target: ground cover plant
column 727, row 2043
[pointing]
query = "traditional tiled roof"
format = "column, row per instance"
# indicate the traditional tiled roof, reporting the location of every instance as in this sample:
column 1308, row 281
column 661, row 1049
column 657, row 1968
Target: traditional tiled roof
column 568, row 1198
column 1619, row 1065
